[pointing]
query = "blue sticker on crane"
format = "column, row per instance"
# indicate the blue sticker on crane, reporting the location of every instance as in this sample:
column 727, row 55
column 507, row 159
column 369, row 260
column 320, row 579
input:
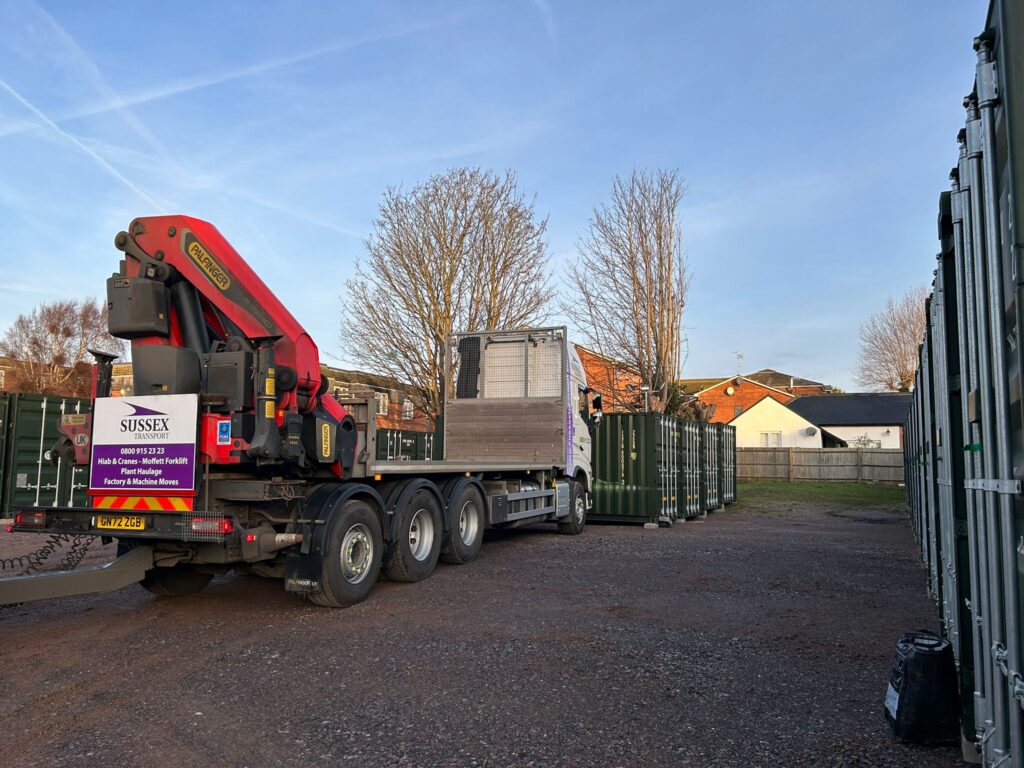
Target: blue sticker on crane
column 223, row 433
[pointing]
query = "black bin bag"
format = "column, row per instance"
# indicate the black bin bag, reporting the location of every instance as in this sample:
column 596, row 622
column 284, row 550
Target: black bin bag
column 921, row 702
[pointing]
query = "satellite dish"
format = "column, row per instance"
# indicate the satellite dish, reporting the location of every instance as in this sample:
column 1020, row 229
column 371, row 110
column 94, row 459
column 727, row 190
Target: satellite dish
column 811, row 431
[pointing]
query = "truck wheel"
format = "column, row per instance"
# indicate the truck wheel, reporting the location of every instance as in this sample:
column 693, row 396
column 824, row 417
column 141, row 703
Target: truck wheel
column 577, row 519
column 176, row 581
column 418, row 542
column 351, row 558
column 463, row 542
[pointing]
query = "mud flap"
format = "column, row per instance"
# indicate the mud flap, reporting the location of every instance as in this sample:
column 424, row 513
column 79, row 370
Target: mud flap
column 302, row 572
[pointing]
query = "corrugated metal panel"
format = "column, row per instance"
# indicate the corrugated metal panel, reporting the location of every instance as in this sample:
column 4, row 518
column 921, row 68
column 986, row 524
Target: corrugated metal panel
column 727, row 463
column 709, row 489
column 404, row 445
column 964, row 440
column 629, row 472
column 30, row 430
column 650, row 468
column 5, row 400
column 689, row 503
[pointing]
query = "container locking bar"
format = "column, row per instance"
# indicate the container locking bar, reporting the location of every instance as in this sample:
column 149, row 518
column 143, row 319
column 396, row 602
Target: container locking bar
column 1009, row 487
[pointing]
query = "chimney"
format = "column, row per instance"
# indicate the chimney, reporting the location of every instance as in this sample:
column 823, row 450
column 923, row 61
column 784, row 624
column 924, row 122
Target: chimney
column 791, row 385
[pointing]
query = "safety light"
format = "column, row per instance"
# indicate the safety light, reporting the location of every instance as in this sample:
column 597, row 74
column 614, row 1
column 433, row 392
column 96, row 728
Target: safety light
column 221, row 525
column 30, row 519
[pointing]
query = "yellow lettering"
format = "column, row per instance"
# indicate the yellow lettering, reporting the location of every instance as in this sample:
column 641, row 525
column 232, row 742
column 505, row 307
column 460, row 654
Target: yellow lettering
column 209, row 265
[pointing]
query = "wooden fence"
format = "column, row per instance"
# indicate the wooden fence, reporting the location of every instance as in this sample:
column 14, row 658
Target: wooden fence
column 851, row 465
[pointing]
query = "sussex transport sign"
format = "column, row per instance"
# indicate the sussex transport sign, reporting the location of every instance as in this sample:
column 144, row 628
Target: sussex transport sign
column 144, row 443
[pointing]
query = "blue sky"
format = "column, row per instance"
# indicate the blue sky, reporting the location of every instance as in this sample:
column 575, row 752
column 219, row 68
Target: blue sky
column 814, row 139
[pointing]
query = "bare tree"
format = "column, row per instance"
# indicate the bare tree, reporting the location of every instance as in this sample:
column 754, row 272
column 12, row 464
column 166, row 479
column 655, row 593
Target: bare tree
column 462, row 251
column 49, row 347
column 887, row 359
column 630, row 280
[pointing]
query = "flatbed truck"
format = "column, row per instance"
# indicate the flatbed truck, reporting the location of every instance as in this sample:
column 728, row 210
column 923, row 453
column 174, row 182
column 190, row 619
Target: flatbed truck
column 231, row 455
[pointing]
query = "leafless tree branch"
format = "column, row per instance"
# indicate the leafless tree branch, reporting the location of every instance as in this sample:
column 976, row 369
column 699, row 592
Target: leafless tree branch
column 50, row 346
column 887, row 359
column 630, row 280
column 463, row 251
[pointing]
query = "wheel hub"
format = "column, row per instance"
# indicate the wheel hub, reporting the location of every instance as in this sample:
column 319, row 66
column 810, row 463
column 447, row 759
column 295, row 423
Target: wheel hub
column 469, row 523
column 356, row 553
column 421, row 534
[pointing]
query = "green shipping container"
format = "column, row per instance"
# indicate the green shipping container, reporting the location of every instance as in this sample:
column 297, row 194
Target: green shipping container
column 405, row 445
column 636, row 468
column 28, row 429
column 688, row 496
column 710, row 496
column 727, row 463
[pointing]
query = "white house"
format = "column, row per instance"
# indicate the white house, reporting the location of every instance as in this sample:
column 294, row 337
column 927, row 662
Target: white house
column 865, row 420
column 770, row 424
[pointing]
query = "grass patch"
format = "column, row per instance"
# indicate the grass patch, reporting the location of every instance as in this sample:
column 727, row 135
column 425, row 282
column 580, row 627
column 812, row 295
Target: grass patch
column 845, row 494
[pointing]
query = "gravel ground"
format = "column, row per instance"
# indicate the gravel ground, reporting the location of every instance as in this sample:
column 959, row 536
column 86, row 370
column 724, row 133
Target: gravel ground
column 759, row 637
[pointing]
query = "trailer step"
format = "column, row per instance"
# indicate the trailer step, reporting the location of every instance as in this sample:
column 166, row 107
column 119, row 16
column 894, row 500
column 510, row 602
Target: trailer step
column 129, row 568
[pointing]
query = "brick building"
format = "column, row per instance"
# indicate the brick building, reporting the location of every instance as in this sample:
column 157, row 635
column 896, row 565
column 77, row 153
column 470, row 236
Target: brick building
column 733, row 395
column 618, row 384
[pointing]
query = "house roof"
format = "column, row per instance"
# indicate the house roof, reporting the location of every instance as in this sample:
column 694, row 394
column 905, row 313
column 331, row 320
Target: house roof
column 778, row 380
column 693, row 386
column 770, row 403
column 854, row 410
column 700, row 386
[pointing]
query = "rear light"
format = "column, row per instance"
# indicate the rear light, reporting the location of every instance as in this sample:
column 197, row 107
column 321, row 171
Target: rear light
column 250, row 538
column 222, row 526
column 30, row 520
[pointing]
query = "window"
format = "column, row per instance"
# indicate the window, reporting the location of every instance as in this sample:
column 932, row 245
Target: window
column 737, row 410
column 408, row 409
column 771, row 439
column 2, row 372
column 383, row 403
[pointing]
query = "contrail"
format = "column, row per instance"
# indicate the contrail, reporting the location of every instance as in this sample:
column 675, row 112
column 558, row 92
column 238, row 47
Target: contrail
column 74, row 141
column 174, row 88
column 81, row 61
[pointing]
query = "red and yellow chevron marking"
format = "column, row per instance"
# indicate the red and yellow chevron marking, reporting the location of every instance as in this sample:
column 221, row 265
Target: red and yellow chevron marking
column 153, row 503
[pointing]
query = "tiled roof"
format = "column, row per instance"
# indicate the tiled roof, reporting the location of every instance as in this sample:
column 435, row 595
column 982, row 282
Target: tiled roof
column 772, row 378
column 693, row 386
column 855, row 410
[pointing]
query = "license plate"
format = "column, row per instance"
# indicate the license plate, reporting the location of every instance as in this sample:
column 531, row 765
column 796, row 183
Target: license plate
column 121, row 522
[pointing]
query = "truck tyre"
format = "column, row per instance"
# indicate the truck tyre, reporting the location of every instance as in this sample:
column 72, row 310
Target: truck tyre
column 418, row 541
column 577, row 519
column 353, row 548
column 466, row 527
column 176, row 581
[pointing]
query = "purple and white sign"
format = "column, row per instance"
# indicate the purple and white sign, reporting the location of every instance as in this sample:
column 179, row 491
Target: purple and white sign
column 144, row 443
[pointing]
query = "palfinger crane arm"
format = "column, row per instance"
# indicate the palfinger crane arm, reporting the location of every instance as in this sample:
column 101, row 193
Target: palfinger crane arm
column 200, row 320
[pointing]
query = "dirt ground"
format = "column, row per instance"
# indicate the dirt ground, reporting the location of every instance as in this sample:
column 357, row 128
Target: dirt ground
column 759, row 637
